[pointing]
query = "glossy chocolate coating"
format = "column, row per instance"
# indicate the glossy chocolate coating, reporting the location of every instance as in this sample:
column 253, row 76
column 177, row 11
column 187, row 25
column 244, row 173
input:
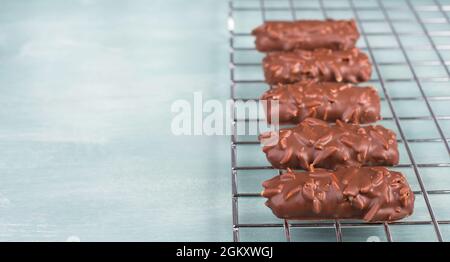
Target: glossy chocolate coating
column 306, row 35
column 368, row 193
column 314, row 143
column 328, row 101
column 321, row 64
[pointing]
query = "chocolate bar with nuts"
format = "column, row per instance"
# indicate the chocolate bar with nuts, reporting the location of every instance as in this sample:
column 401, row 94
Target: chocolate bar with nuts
column 314, row 143
column 306, row 35
column 322, row 64
column 373, row 194
column 328, row 101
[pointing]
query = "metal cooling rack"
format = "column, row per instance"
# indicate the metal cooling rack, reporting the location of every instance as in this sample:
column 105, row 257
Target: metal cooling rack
column 384, row 28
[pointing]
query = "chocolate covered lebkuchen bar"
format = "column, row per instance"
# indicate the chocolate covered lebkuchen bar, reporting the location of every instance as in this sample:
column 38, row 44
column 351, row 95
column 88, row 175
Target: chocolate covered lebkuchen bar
column 314, row 143
column 368, row 193
column 328, row 101
column 322, row 64
column 306, row 35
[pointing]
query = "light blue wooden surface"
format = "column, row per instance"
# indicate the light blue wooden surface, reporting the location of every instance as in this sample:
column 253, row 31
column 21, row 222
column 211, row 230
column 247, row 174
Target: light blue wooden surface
column 86, row 149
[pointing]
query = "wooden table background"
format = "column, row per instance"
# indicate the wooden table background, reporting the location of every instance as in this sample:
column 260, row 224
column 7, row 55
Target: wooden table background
column 86, row 150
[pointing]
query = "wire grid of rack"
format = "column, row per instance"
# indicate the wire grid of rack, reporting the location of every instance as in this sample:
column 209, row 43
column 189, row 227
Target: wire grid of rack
column 408, row 43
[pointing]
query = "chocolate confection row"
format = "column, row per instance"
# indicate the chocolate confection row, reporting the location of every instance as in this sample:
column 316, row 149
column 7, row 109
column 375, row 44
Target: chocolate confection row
column 312, row 67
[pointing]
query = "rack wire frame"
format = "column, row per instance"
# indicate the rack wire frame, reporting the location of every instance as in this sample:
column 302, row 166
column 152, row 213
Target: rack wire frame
column 380, row 6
